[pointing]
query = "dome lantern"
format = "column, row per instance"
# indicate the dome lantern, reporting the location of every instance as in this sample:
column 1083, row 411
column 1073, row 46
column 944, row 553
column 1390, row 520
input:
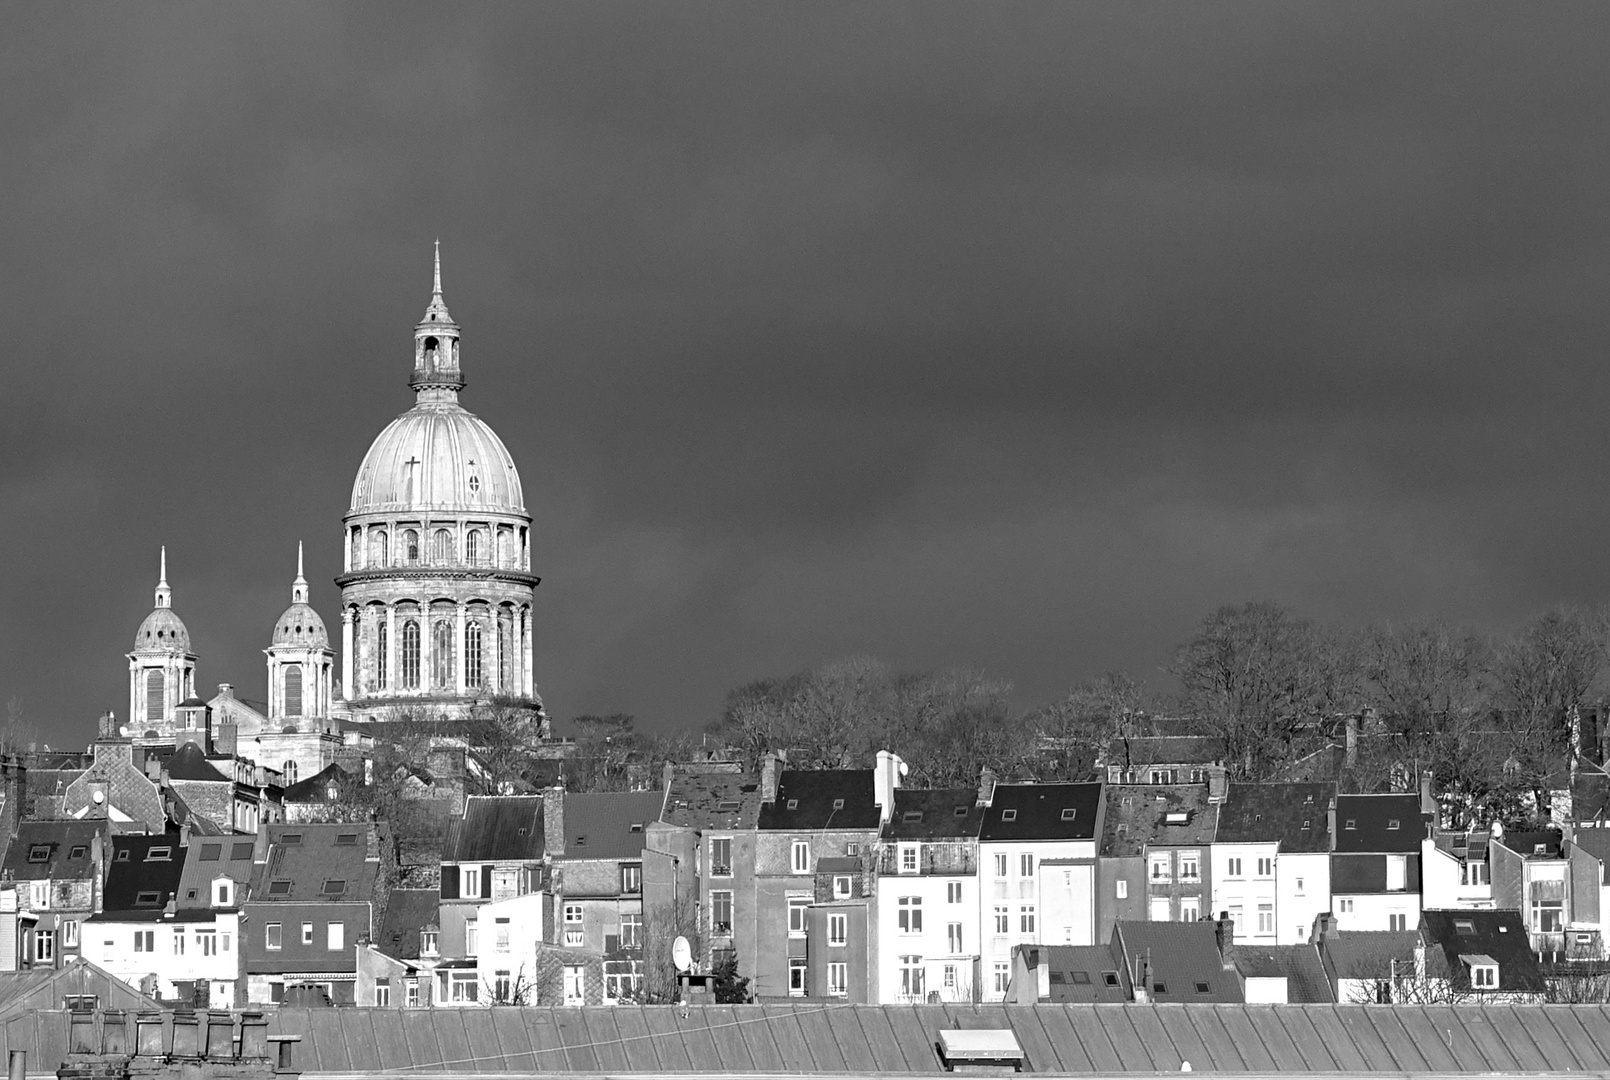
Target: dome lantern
column 436, row 372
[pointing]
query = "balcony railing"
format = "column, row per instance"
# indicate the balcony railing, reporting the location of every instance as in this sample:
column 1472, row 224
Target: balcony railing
column 949, row 859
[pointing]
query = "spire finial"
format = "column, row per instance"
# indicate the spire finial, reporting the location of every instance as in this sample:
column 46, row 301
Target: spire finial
column 299, row 558
column 299, row 586
column 164, row 594
column 438, row 289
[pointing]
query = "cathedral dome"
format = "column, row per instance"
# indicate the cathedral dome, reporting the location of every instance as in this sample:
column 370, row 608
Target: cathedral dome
column 437, row 456
column 162, row 629
column 301, row 625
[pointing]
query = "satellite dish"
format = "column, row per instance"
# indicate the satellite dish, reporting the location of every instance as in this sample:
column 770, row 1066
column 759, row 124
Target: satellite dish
column 682, row 954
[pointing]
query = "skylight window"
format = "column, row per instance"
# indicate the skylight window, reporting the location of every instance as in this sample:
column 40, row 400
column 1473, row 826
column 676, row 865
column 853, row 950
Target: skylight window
column 335, row 887
column 147, row 899
column 1176, row 817
column 838, row 804
column 961, row 811
column 121, row 856
column 726, row 806
column 1068, row 813
column 279, row 888
column 241, row 850
column 1008, row 815
column 793, row 804
column 211, row 852
column 1351, row 824
column 581, row 841
column 38, row 853
column 1203, row 988
column 291, row 838
column 1464, row 926
column 1392, row 823
column 911, row 815
column 159, row 854
column 346, row 839
column 1109, row 978
column 1081, row 978
column 637, row 826
column 78, row 852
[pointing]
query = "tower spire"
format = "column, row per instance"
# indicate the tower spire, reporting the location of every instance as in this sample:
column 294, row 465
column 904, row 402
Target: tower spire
column 299, row 586
column 164, row 594
column 436, row 370
column 438, row 289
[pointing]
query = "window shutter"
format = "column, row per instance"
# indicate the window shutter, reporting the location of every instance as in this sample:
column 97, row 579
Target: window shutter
column 486, row 882
column 449, row 882
column 612, row 943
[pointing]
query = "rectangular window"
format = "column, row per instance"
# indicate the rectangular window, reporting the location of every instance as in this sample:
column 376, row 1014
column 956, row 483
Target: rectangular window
column 472, row 939
column 721, row 911
column 801, row 860
column 69, row 933
column 796, row 976
column 502, row 986
column 464, row 986
column 271, row 935
column 911, row 980
column 631, row 878
column 178, row 941
column 145, row 941
column 575, row 931
column 953, row 892
column 1003, row 919
column 335, row 936
column 500, row 930
column 1025, row 919
column 908, row 858
column 1474, row 873
column 797, row 906
column 1396, row 872
column 1190, row 866
column 1266, row 918
column 953, row 937
column 949, row 977
column 1397, row 920
column 838, row 980
column 307, row 933
column 411, row 993
column 1025, row 864
column 1266, row 867
column 721, row 856
column 1190, row 908
column 910, row 914
column 1161, row 867
column 39, row 895
column 1000, row 864
column 1484, row 977
column 1003, row 976
column 632, row 930
column 207, row 942
column 1345, row 905
column 427, row 942
column 1159, row 909
column 838, row 929
column 469, row 882
column 1232, row 867
column 382, row 993
column 841, row 886
column 1122, row 889
column 45, row 946
column 575, row 983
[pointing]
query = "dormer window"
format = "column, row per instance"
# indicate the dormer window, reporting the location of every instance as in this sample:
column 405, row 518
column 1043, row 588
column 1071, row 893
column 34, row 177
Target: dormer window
column 1540, row 849
column 427, row 942
column 222, row 893
column 1484, row 976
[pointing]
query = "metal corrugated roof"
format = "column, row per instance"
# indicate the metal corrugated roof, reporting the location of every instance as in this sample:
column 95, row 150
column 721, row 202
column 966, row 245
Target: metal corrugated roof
column 814, row 1038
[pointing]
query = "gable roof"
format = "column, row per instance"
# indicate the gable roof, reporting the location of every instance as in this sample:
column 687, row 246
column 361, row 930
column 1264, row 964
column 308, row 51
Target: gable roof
column 143, row 877
column 1295, row 816
column 1077, row 973
column 33, row 989
column 1454, row 938
column 496, row 828
column 1042, row 812
column 313, row 789
column 609, row 824
column 58, row 842
column 306, row 861
column 1379, row 823
column 1185, row 961
column 1299, row 965
column 208, row 858
column 1156, row 815
column 811, row 799
column 408, row 911
column 190, row 763
column 711, row 800
column 1534, row 844
column 1367, row 954
column 934, row 813
column 1596, row 842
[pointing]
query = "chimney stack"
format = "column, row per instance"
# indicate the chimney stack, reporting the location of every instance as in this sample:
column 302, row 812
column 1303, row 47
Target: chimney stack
column 885, row 779
column 1224, row 935
column 1143, row 979
column 553, row 821
column 1218, row 778
column 1350, row 757
column 986, row 786
column 768, row 778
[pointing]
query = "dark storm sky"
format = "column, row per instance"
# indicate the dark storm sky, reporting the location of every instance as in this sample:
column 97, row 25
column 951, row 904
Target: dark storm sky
column 1016, row 336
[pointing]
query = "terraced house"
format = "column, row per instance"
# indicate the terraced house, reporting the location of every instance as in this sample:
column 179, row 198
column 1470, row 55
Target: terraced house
column 55, row 869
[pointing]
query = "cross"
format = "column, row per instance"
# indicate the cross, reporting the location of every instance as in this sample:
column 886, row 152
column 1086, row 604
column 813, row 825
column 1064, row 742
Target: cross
column 408, row 496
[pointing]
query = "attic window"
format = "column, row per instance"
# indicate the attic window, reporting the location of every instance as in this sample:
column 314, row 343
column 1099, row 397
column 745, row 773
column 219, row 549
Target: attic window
column 1058, row 977
column 147, row 899
column 838, row 804
column 38, row 852
column 961, row 811
column 279, row 888
column 121, row 856
column 911, row 815
column 1159, row 988
column 1540, row 849
column 1068, row 813
column 291, row 838
column 1351, row 824
column 637, row 826
column 793, row 804
column 1392, row 823
column 346, row 839
column 241, row 850
column 1176, row 817
column 726, row 806
column 1464, row 926
column 335, row 887
column 159, row 854
column 1109, row 978
column 1203, row 988
column 1080, row 978
column 1008, row 815
column 581, row 841
column 211, row 852
column 78, row 852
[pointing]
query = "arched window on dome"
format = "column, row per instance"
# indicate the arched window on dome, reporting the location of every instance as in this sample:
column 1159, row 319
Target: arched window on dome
column 472, row 547
column 411, row 545
column 154, row 705
column 377, row 547
column 472, row 656
column 293, row 690
column 410, row 655
column 441, row 655
column 289, row 769
column 380, row 655
column 442, row 547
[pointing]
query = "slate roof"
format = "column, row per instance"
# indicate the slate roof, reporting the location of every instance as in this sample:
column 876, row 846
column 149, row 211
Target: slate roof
column 815, row 1038
column 934, row 813
column 208, row 857
column 70, row 844
column 1367, row 954
column 408, row 911
column 1042, row 812
column 305, row 861
column 190, row 763
column 142, row 878
column 1299, row 965
column 712, row 800
column 496, row 828
column 1077, row 973
column 1595, row 842
column 1295, row 816
column 811, row 799
column 312, row 790
column 1450, row 935
column 609, row 824
column 1184, row 959
column 1365, row 823
column 1527, row 844
column 1161, row 815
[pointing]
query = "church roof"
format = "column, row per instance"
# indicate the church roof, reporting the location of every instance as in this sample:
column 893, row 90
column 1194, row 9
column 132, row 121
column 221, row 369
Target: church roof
column 301, row 625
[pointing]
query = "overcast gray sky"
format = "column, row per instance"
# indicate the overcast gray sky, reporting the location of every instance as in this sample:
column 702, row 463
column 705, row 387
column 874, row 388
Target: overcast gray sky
column 1005, row 335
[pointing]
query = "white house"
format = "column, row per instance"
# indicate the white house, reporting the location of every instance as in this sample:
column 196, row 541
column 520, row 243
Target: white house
column 1271, row 860
column 927, row 911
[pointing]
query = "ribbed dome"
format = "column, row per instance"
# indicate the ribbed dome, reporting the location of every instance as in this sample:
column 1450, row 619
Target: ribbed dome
column 162, row 629
column 301, row 625
column 438, row 456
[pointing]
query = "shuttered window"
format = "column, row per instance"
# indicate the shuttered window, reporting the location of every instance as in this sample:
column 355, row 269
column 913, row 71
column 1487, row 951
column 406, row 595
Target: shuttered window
column 293, row 691
column 154, row 705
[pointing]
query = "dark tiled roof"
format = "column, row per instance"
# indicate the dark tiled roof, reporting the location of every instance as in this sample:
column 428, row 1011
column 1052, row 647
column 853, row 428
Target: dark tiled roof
column 307, row 862
column 137, row 884
column 1144, row 750
column 1161, row 815
column 1500, row 934
column 1595, row 842
column 408, row 911
column 314, row 788
column 1366, row 823
column 934, row 813
column 496, row 828
column 1292, row 815
column 59, row 842
column 1368, row 954
column 809, row 799
column 189, row 763
column 1299, row 965
column 1078, row 973
column 712, row 800
column 208, row 858
column 180, row 813
column 1184, row 958
column 1042, row 812
column 1541, row 844
column 610, row 824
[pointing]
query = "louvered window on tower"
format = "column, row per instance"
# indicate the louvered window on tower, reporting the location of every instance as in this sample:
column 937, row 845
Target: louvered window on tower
column 293, row 691
column 153, row 696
